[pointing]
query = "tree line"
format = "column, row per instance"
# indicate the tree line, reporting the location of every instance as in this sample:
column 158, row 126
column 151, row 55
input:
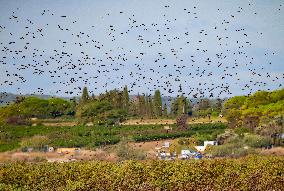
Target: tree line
column 109, row 107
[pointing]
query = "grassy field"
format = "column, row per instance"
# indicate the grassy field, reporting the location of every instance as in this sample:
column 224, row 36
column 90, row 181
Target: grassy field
column 250, row 173
column 14, row 137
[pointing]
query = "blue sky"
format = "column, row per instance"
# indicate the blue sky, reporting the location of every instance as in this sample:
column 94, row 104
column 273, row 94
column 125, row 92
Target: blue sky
column 183, row 36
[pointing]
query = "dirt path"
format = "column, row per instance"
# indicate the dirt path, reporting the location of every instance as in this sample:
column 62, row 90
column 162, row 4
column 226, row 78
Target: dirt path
column 59, row 124
column 83, row 155
column 172, row 121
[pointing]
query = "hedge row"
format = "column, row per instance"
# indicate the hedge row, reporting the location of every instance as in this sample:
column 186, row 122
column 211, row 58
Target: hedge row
column 192, row 129
column 154, row 137
column 250, row 173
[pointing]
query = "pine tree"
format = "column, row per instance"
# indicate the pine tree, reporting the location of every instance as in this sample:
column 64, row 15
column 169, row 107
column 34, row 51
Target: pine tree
column 157, row 103
column 85, row 95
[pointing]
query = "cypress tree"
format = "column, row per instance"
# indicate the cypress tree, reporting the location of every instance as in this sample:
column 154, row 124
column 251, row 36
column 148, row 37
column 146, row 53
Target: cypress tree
column 85, row 95
column 165, row 110
column 181, row 105
column 174, row 106
column 151, row 107
column 158, row 103
column 147, row 105
column 125, row 98
column 142, row 105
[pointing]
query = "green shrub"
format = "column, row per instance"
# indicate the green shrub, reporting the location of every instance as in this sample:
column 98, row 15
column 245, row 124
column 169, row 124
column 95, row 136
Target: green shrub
column 126, row 153
column 256, row 141
column 37, row 142
column 241, row 131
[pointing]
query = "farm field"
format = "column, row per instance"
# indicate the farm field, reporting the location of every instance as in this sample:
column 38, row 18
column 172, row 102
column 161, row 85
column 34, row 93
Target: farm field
column 249, row 173
column 20, row 137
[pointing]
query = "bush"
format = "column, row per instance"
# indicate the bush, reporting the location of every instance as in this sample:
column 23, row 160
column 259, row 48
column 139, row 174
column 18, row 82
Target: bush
column 256, row 141
column 230, row 150
column 124, row 152
column 237, row 146
column 182, row 121
column 37, row 142
column 241, row 131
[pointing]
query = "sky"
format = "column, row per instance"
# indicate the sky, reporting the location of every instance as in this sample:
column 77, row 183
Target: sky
column 198, row 48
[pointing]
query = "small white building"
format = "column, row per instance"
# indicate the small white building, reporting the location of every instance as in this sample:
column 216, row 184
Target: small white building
column 210, row 143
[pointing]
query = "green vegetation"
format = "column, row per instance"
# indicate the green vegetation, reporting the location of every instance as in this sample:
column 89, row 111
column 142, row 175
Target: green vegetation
column 157, row 102
column 180, row 106
column 262, row 112
column 35, row 107
column 238, row 143
column 111, row 107
column 256, row 121
column 12, row 137
column 250, row 173
column 201, row 131
column 125, row 152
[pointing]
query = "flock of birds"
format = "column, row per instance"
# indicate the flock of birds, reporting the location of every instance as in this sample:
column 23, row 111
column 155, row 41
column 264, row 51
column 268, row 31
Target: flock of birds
column 145, row 55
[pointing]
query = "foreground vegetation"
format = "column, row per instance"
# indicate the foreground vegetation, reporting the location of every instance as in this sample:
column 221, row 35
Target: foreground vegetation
column 13, row 137
column 250, row 173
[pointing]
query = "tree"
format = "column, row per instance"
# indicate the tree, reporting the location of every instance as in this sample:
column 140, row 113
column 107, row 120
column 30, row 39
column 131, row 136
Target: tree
column 182, row 121
column 218, row 104
column 188, row 108
column 174, row 107
column 85, row 95
column 181, row 105
column 125, row 98
column 142, row 105
column 34, row 107
column 147, row 105
column 165, row 110
column 151, row 107
column 204, row 104
column 157, row 103
column 59, row 107
column 259, row 98
column 232, row 110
